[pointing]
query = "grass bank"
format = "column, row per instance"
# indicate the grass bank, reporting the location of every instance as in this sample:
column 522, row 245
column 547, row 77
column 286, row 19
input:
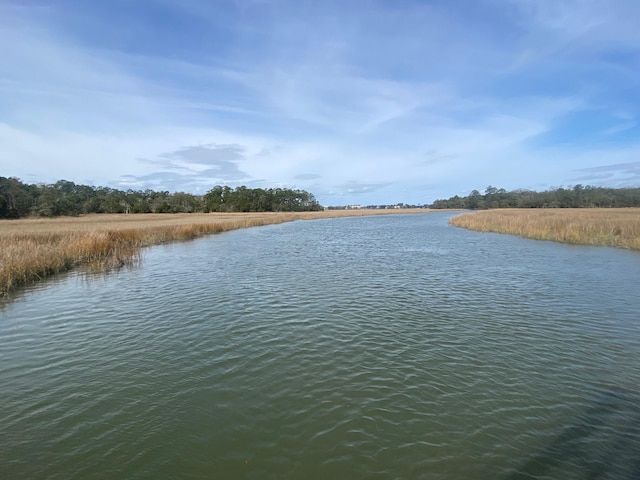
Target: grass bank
column 33, row 249
column 610, row 227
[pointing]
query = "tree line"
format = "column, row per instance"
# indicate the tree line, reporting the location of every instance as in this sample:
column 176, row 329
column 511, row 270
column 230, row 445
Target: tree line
column 578, row 196
column 18, row 199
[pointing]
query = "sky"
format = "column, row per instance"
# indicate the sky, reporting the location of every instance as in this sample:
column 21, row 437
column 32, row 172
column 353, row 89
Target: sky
column 358, row 102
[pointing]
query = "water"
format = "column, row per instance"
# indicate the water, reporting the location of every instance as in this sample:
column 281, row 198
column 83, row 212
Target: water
column 372, row 348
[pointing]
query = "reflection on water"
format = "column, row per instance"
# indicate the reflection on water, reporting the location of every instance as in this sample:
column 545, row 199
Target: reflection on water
column 386, row 347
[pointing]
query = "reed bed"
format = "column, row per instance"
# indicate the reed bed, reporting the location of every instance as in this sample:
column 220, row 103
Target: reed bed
column 32, row 249
column 610, row 227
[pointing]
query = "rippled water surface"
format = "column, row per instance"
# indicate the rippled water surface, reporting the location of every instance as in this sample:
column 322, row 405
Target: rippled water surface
column 372, row 347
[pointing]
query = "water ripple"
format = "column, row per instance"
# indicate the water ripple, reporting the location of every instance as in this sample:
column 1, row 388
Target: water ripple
column 393, row 347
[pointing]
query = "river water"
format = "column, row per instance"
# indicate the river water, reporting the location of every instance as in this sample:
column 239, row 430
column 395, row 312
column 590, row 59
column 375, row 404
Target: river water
column 353, row 348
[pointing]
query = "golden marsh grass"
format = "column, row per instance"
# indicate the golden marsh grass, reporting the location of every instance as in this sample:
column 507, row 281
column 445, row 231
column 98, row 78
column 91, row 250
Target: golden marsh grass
column 36, row 248
column 610, row 227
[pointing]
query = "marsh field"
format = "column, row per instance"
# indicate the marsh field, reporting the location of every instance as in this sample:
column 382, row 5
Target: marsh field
column 609, row 227
column 35, row 248
column 385, row 347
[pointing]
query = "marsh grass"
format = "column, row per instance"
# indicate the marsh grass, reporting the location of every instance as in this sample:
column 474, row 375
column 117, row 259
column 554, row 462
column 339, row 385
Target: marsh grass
column 611, row 227
column 32, row 249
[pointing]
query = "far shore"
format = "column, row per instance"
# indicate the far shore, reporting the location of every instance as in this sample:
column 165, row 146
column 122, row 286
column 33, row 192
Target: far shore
column 34, row 248
column 608, row 227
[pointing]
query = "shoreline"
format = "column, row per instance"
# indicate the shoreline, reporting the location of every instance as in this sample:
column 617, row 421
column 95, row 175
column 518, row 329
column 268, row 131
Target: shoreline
column 37, row 248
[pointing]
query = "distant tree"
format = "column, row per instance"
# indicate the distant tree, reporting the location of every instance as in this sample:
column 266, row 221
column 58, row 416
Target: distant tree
column 474, row 201
column 578, row 196
column 181, row 202
column 16, row 198
column 214, row 199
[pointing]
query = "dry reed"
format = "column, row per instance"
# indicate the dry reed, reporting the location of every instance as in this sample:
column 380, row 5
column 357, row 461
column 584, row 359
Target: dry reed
column 611, row 227
column 32, row 249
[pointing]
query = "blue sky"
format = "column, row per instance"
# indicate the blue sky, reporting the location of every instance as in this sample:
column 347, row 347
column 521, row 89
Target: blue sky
column 358, row 102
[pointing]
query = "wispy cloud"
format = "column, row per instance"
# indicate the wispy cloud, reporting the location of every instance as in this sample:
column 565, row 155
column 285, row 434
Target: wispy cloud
column 618, row 174
column 308, row 176
column 222, row 159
